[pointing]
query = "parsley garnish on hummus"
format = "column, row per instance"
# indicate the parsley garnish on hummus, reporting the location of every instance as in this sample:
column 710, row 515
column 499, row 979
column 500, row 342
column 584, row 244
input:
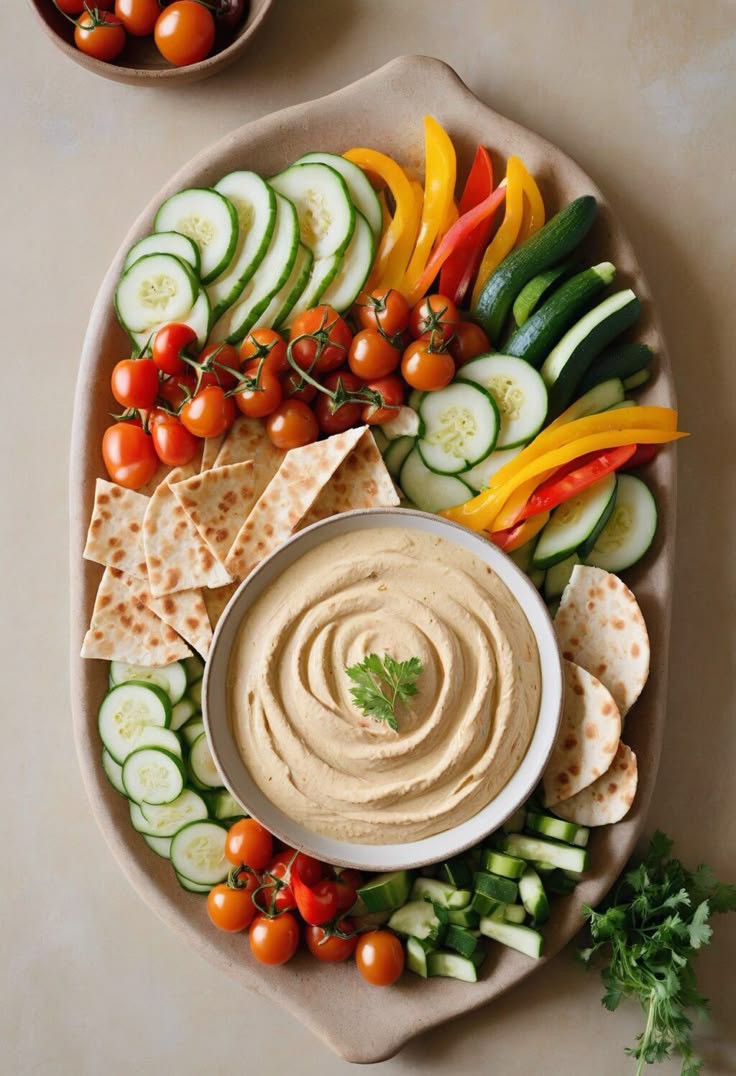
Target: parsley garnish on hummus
column 372, row 675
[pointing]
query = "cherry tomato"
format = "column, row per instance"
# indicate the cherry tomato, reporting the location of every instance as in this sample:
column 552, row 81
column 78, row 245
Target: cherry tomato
column 434, row 315
column 249, row 843
column 76, row 7
column 380, row 957
column 309, row 869
column 230, row 909
column 317, row 903
column 138, row 16
column 295, row 387
column 129, row 455
column 224, row 358
column 184, row 33
column 425, row 368
column 387, row 311
column 209, row 413
column 168, row 344
column 292, row 424
column 229, row 13
column 173, row 442
column 346, row 894
column 274, row 941
column 134, row 382
column 348, row 414
column 263, row 400
column 372, row 355
column 175, row 389
column 467, row 342
column 392, row 390
column 280, row 898
column 353, row 877
column 326, row 339
column 101, row 36
column 328, row 947
column 266, row 344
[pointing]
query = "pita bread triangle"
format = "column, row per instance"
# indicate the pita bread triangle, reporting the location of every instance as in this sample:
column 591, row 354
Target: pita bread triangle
column 361, row 481
column 216, row 600
column 247, row 440
column 609, row 798
column 218, row 502
column 115, row 535
column 185, row 612
column 210, row 450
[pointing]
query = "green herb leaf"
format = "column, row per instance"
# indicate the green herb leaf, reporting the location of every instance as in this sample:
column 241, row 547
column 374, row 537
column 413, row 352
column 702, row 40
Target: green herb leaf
column 381, row 683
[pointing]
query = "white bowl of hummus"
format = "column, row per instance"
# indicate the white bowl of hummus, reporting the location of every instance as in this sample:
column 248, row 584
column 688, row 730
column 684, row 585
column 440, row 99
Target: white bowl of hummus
column 294, row 733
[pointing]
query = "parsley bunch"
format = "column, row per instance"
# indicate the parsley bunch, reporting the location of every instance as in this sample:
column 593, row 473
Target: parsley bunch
column 381, row 684
column 648, row 932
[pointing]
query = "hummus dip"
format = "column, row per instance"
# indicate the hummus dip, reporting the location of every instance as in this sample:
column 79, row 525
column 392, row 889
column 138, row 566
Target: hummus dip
column 313, row 752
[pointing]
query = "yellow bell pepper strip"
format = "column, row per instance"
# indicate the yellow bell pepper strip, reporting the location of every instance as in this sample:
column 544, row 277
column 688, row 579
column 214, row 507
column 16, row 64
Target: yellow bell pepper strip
column 517, row 536
column 440, row 168
column 507, row 234
column 533, row 214
column 397, row 242
column 450, row 217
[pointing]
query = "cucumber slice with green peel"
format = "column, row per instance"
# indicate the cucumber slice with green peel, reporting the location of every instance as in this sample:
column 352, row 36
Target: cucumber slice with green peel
column 283, row 301
column 457, row 872
column 442, row 893
column 362, row 194
column 534, row 341
column 587, row 544
column 581, row 838
column 384, row 891
column 157, row 288
column 354, row 270
column 452, row 966
column 273, row 272
column 382, row 441
column 540, row 850
column 523, row 939
column 396, row 454
column 255, row 208
column 406, row 423
column 321, row 275
column 602, row 397
column 125, row 711
column 171, row 678
column 500, row 863
column 575, row 521
column 482, row 904
column 557, row 577
column 226, row 806
column 522, row 557
column 181, row 246
column 192, row 730
column 496, row 888
column 519, row 392
column 417, row 919
column 209, row 220
column 620, row 361
column 323, row 205
column 464, row 917
column 510, row 913
column 166, row 819
column 198, row 853
column 416, row 955
column 113, row 772
column 153, row 736
column 538, row 288
column 202, row 764
column 567, row 363
column 430, row 492
column 460, row 939
column 191, row 887
column 194, row 668
column 479, row 477
column 195, row 694
column 181, row 713
column 533, row 896
column 630, row 530
column 635, row 381
column 549, row 826
column 415, row 398
column 198, row 319
column 460, row 427
column 160, row 845
column 153, row 775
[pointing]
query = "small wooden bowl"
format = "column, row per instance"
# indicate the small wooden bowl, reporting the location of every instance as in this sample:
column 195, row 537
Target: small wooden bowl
column 140, row 62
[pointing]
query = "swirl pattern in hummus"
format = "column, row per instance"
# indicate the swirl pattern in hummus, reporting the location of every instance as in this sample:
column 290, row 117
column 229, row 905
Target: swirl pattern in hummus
column 348, row 776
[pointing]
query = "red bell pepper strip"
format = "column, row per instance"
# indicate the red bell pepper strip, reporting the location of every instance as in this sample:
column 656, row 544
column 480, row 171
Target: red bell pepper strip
column 574, row 478
column 461, row 266
column 521, row 533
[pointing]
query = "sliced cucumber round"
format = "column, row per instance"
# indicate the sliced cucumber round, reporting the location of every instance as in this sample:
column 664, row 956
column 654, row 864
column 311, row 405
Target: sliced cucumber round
column 209, row 220
column 396, row 453
column 557, row 577
column 125, row 711
column 461, row 425
column 356, row 265
column 172, row 678
column 160, row 845
column 255, row 206
column 325, row 210
column 113, row 772
column 362, row 194
column 194, row 668
column 155, row 289
column 181, row 246
column 574, row 522
column 198, row 319
column 181, row 713
column 202, row 763
column 429, row 491
column 166, row 739
column 321, row 275
column 152, row 775
column 191, row 887
column 479, row 477
column 630, row 531
column 519, row 392
column 280, row 305
column 166, row 819
column 198, row 853
column 192, row 730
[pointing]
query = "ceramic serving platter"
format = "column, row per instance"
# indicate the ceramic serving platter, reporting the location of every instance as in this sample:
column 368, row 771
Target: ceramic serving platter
column 326, row 997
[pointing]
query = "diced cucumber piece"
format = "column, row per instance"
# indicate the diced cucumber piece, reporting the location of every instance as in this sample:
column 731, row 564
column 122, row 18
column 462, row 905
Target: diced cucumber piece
column 192, row 730
column 113, row 772
column 630, row 530
column 191, row 887
column 255, row 207
column 283, row 301
column 209, row 219
column 194, row 668
column 321, row 275
column 442, row 893
column 464, row 917
column 544, row 851
column 396, row 454
column 202, row 763
column 417, row 919
column 153, row 775
column 383, row 891
column 533, row 896
column 510, row 913
column 362, row 194
column 581, row 838
column 518, row 391
column 160, row 845
column 620, row 362
column 601, row 397
column 125, row 711
column 181, row 246
column 457, row 872
column 181, row 713
column 575, row 522
column 195, row 694
column 500, row 889
column 198, row 853
column 460, row 939
column 549, row 826
column 452, row 966
column 155, row 289
column 479, row 477
column 557, row 577
column 523, row 939
column 325, row 210
column 226, row 806
column 461, row 424
column 431, row 492
column 416, row 955
column 354, row 268
column 172, row 678
column 499, row 863
column 168, row 818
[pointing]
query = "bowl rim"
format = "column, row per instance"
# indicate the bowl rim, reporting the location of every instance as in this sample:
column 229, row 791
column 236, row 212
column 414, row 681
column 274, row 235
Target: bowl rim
column 408, row 854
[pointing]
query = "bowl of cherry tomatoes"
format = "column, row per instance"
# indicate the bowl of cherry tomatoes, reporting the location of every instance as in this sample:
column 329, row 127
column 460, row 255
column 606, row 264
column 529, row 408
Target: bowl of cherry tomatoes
column 152, row 41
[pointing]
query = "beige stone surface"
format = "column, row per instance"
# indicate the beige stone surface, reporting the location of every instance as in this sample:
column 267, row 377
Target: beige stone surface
column 642, row 95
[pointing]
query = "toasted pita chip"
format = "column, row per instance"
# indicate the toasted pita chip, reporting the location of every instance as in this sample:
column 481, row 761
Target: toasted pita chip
column 185, row 612
column 589, row 734
column 210, row 450
column 361, row 481
column 247, row 440
column 115, row 535
column 218, row 502
column 124, row 630
column 177, row 556
column 287, row 499
column 216, row 600
column 599, row 625
column 609, row 798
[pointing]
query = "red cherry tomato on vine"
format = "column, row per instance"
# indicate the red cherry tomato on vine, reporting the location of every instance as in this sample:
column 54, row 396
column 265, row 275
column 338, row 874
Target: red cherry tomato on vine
column 76, row 7
column 309, row 869
column 280, row 897
column 467, row 342
column 168, row 344
column 425, row 368
column 249, row 843
column 265, row 398
column 174, row 390
column 134, row 382
column 274, row 941
column 265, row 344
column 346, row 894
column 224, row 358
column 231, row 909
column 174, row 444
column 392, row 390
column 379, row 956
column 317, row 903
column 434, row 315
column 209, row 413
column 99, row 35
column 292, row 425
column 329, row 948
column 348, row 414
column 129, row 455
column 295, row 387
column 372, row 355
column 325, row 340
column 138, row 16
column 185, row 33
column 384, row 311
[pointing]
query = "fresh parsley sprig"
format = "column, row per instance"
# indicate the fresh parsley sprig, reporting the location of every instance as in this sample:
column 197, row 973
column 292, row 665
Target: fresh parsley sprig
column 381, row 683
column 648, row 932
